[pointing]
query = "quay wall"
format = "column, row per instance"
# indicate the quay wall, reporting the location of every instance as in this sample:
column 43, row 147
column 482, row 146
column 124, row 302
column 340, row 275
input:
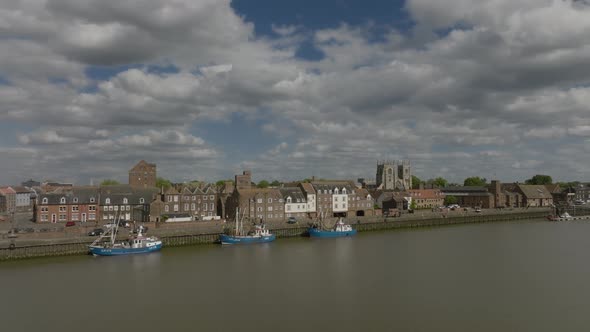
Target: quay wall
column 192, row 237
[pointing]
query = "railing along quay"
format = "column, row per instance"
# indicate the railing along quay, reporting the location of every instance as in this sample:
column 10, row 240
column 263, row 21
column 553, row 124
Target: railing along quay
column 77, row 247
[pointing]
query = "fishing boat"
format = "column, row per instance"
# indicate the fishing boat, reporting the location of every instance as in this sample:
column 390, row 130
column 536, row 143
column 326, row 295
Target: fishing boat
column 260, row 234
column 106, row 244
column 340, row 229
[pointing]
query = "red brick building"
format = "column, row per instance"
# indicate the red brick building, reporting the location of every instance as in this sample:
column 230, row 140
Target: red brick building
column 78, row 204
column 143, row 175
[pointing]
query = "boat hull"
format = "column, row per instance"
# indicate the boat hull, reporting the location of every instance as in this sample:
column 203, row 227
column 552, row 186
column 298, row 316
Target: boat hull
column 229, row 239
column 100, row 251
column 314, row 232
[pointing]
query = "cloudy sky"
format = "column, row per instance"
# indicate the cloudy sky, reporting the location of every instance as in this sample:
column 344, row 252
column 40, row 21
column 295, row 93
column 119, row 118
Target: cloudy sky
column 290, row 89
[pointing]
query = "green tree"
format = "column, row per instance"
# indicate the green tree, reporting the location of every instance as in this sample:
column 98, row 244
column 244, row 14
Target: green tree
column 540, row 179
column 220, row 183
column 438, row 182
column 416, row 182
column 109, row 182
column 163, row 183
column 413, row 205
column 263, row 184
column 275, row 183
column 475, row 181
column 450, row 199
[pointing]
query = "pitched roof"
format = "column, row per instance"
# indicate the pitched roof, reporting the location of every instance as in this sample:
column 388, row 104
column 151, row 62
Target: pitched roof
column 307, row 187
column 295, row 193
column 7, row 191
column 534, row 191
column 426, row 193
column 21, row 190
column 255, row 192
column 553, row 188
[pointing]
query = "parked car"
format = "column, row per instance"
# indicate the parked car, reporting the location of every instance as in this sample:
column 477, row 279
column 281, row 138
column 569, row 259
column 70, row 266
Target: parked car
column 291, row 220
column 96, row 232
column 478, row 209
column 70, row 223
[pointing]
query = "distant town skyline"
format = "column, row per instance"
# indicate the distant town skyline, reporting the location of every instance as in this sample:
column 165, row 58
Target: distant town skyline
column 291, row 89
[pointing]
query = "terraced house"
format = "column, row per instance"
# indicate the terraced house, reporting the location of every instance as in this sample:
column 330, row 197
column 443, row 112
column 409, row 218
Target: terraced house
column 254, row 204
column 427, row 198
column 198, row 202
column 78, row 204
column 129, row 202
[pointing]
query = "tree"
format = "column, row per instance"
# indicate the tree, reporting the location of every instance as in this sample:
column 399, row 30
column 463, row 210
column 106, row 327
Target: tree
column 416, row 182
column 438, row 182
column 475, row 181
column 450, row 199
column 109, row 182
column 263, row 184
column 275, row 183
column 163, row 183
column 220, row 183
column 540, row 180
column 413, row 205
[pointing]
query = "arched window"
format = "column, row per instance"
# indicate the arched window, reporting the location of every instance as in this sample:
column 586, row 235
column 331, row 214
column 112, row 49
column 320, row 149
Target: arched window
column 344, row 191
column 45, row 200
column 91, row 199
column 125, row 201
column 62, row 200
column 335, row 191
column 75, row 199
column 107, row 201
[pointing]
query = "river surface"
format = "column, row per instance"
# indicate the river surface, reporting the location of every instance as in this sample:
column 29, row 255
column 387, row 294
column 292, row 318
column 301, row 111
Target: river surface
column 526, row 276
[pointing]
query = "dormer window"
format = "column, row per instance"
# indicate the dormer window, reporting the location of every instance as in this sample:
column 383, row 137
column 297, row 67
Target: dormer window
column 62, row 200
column 125, row 201
column 141, row 200
column 75, row 199
column 336, row 191
column 288, row 199
column 107, row 201
column 45, row 200
column 91, row 199
column 344, row 191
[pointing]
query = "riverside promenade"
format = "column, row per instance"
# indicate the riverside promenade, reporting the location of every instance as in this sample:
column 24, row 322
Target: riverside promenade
column 59, row 241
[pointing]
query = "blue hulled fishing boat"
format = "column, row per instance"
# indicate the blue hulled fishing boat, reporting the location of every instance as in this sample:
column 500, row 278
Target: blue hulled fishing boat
column 259, row 235
column 340, row 229
column 136, row 244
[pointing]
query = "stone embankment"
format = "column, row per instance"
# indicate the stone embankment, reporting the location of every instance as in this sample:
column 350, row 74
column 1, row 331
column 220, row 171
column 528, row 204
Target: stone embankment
column 75, row 242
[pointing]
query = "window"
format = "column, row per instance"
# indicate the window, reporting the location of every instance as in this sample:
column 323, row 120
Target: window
column 63, row 208
column 336, row 191
column 166, row 208
column 62, row 217
column 116, row 207
column 75, row 199
column 185, row 206
column 211, row 207
column 127, row 207
column 186, row 198
column 74, row 216
column 125, row 201
column 344, row 191
column 107, row 201
column 92, row 216
column 45, row 200
column 175, row 198
column 44, row 209
column 92, row 208
column 259, row 200
column 91, row 199
column 175, row 207
column 75, row 208
column 141, row 200
column 44, row 217
column 288, row 199
column 259, row 209
column 270, row 208
column 169, row 198
column 62, row 200
column 205, row 198
column 211, row 197
column 270, row 200
column 194, row 198
column 193, row 206
column 204, row 206
column 288, row 207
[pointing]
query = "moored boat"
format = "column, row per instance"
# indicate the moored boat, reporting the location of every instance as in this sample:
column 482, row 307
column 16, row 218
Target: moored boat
column 339, row 230
column 260, row 234
column 135, row 244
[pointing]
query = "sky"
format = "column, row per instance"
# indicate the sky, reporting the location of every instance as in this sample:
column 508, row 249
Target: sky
column 289, row 89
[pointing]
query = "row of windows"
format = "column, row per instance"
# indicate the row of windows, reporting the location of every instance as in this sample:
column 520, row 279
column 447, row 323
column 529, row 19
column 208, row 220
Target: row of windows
column 193, row 207
column 174, row 198
column 116, row 208
column 63, row 200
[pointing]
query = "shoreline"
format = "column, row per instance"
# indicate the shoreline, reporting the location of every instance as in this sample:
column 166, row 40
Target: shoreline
column 195, row 236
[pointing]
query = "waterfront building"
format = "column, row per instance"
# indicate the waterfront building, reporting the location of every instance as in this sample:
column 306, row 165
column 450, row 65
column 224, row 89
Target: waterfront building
column 78, row 204
column 426, row 198
column 472, row 196
column 310, row 197
column 394, row 175
column 23, row 201
column 582, row 192
column 7, row 199
column 255, row 204
column 143, row 174
column 295, row 202
column 131, row 203
column 535, row 195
